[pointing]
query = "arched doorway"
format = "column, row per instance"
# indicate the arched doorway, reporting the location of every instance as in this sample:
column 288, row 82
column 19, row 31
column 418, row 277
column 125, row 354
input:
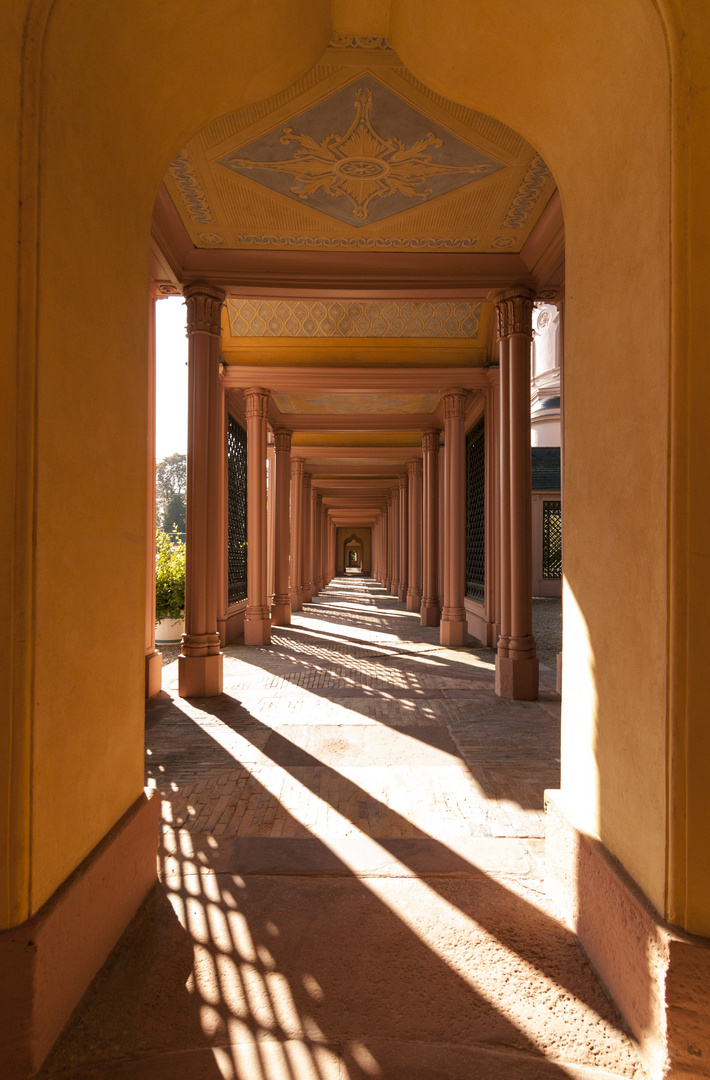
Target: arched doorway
column 617, row 771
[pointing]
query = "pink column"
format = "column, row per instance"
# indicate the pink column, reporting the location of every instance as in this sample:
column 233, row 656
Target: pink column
column 516, row 661
column 270, row 518
column 153, row 659
column 403, row 538
column 394, row 585
column 257, row 619
column 306, row 586
column 414, row 590
column 323, row 545
column 384, row 569
column 454, row 628
column 281, row 600
column 200, row 663
column 312, row 565
column 430, row 559
column 297, row 551
column 318, row 543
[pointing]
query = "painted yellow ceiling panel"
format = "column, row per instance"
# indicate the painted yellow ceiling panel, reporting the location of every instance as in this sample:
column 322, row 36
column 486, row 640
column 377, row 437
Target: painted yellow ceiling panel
column 361, row 158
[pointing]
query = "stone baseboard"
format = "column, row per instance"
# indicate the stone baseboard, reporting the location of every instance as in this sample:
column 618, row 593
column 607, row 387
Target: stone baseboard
column 658, row 975
column 48, row 962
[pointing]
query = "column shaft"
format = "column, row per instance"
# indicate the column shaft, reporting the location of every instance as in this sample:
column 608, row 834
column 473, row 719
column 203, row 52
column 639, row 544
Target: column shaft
column 318, row 543
column 394, row 545
column 153, row 659
column 306, row 586
column 297, row 550
column 200, row 663
column 414, row 588
column 430, row 554
column 516, row 661
column 257, row 618
column 281, row 600
column 403, row 538
column 454, row 628
column 385, row 548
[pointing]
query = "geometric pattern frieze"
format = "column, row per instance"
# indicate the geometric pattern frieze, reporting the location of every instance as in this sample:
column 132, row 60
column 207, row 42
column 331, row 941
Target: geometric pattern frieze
column 361, row 243
column 354, row 318
column 362, row 155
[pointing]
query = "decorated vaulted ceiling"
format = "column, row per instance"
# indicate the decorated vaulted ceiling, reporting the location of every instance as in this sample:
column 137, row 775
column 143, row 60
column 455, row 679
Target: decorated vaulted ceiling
column 359, row 156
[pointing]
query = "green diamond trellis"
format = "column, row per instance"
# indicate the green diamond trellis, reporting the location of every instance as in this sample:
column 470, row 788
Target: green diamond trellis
column 552, row 539
column 476, row 512
column 236, row 512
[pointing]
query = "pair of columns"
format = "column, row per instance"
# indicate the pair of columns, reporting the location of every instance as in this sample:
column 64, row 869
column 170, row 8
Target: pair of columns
column 310, row 538
column 409, row 529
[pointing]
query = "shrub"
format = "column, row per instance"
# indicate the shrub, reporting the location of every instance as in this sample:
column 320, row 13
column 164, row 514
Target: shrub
column 169, row 576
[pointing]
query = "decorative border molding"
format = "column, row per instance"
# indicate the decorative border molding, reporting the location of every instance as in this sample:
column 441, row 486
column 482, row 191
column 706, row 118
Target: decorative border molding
column 527, row 195
column 193, row 194
column 346, row 41
column 354, row 319
column 368, row 243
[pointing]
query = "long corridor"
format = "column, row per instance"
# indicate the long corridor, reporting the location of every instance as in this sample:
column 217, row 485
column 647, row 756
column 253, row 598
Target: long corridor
column 351, row 875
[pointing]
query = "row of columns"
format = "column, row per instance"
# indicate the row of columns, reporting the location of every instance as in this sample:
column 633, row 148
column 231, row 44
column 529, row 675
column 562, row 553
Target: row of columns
column 405, row 537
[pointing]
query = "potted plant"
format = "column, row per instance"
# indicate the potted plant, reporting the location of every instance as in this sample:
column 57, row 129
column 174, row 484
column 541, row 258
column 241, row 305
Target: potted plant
column 169, row 587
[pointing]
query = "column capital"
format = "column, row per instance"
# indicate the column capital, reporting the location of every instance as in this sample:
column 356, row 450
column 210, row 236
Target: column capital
column 403, row 481
column 414, row 466
column 257, row 402
column 455, row 404
column 514, row 312
column 430, row 441
column 204, row 309
column 297, row 464
column 282, row 440
column 307, row 478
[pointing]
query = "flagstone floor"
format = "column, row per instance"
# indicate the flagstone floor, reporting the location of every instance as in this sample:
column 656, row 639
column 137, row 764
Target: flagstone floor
column 351, row 875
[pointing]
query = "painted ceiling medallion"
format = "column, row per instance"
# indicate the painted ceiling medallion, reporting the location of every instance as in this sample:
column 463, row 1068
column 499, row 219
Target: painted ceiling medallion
column 383, row 162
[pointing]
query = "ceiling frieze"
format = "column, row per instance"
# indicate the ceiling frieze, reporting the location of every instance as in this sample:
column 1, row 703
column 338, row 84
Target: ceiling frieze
column 354, row 319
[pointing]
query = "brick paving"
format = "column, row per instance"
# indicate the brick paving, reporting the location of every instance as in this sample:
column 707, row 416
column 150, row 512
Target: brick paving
column 355, row 720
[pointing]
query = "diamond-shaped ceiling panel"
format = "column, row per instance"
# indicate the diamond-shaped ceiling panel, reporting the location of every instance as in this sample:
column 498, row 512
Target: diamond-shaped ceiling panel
column 361, row 156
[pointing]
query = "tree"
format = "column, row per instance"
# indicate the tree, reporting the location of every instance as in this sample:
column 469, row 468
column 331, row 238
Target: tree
column 174, row 517
column 170, row 488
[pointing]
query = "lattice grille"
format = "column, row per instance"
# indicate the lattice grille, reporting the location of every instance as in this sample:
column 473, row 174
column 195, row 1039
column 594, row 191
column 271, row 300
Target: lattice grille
column 552, row 539
column 236, row 512
column 476, row 512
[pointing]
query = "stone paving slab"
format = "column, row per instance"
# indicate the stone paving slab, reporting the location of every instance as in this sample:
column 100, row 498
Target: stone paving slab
column 351, row 875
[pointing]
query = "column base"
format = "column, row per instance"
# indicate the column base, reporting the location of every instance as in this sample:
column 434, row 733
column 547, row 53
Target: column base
column 657, row 974
column 307, row 593
column 430, row 613
column 517, row 679
column 200, row 676
column 394, row 587
column 319, row 584
column 414, row 600
column 48, row 962
column 453, row 632
column 402, row 594
column 281, row 613
column 257, row 627
column 297, row 598
column 153, row 674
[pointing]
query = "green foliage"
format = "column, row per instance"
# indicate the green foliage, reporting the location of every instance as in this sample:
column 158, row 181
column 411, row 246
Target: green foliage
column 174, row 518
column 169, row 576
column 170, row 488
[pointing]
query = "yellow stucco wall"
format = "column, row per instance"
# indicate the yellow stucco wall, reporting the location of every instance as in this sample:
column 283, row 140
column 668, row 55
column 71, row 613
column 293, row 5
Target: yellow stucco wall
column 121, row 87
